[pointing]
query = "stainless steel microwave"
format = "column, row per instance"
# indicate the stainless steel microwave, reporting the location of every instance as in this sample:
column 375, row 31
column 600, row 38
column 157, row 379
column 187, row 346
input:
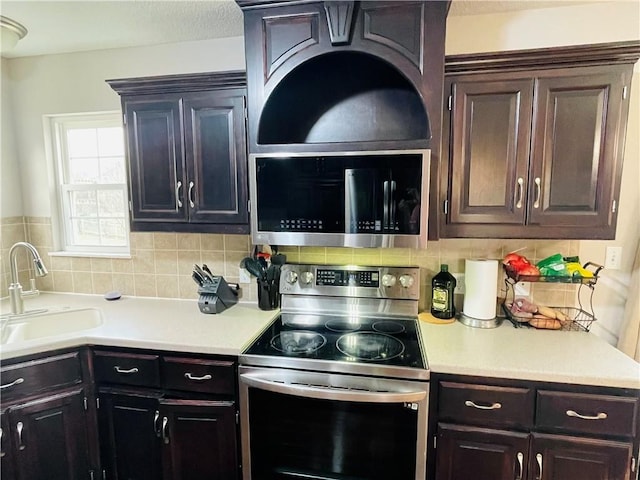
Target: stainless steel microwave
column 341, row 199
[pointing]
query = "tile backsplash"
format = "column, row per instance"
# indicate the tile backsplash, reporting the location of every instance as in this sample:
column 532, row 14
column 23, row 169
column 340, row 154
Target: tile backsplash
column 161, row 263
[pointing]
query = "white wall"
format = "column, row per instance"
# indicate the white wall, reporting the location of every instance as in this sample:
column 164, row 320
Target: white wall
column 75, row 83
column 10, row 192
column 574, row 25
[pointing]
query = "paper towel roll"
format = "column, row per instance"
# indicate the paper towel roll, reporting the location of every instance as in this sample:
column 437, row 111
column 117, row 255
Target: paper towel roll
column 481, row 288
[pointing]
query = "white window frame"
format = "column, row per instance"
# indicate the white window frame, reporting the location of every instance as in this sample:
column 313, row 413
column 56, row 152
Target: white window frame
column 57, row 128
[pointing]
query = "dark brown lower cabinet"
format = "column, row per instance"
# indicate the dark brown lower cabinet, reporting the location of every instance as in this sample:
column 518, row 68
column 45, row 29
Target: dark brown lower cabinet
column 130, row 435
column 46, row 439
column 199, row 439
column 558, row 457
column 147, row 437
column 466, row 453
column 499, row 429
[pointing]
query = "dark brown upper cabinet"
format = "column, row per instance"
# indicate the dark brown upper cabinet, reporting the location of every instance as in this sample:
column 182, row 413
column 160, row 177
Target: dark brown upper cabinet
column 335, row 75
column 535, row 142
column 186, row 151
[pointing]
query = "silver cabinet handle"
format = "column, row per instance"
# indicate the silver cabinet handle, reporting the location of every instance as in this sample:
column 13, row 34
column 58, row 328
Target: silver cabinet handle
column 189, row 376
column 599, row 416
column 191, row 204
column 125, row 371
column 520, row 192
column 539, row 460
column 19, row 427
column 178, row 187
column 536, row 202
column 495, row 406
column 521, row 468
column 17, row 381
column 1, row 450
column 165, row 433
column 156, row 429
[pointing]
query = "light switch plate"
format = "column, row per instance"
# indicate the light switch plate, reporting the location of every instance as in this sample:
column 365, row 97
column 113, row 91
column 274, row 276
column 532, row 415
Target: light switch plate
column 613, row 258
column 244, row 276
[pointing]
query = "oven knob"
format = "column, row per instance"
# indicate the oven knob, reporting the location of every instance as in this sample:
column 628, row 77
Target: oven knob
column 291, row 277
column 388, row 280
column 306, row 277
column 406, row 281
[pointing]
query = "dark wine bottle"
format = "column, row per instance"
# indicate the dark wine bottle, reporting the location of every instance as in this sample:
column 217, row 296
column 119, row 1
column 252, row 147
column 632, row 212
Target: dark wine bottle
column 442, row 287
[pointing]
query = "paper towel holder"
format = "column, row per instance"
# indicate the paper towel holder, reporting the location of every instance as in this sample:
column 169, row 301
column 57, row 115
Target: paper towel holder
column 479, row 322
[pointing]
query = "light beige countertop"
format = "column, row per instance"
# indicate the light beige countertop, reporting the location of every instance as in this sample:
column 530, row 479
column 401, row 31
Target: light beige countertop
column 178, row 325
column 153, row 323
column 527, row 354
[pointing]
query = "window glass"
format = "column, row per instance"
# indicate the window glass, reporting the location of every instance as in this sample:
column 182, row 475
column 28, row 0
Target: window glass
column 92, row 191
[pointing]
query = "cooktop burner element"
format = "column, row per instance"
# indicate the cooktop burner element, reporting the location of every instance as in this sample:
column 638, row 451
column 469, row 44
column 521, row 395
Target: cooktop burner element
column 337, row 325
column 295, row 342
column 388, row 327
column 360, row 320
column 370, row 346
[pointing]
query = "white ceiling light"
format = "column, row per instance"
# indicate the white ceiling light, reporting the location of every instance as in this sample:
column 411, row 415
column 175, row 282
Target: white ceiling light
column 12, row 31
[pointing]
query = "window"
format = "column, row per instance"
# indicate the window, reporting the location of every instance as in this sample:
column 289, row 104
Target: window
column 91, row 183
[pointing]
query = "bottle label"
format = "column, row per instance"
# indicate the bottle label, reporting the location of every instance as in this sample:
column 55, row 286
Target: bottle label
column 440, row 300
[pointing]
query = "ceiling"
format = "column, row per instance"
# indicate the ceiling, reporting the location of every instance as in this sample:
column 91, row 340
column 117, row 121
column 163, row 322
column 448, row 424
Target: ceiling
column 83, row 25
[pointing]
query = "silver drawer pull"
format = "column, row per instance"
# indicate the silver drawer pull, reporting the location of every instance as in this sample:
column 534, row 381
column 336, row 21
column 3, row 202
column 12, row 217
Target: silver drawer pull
column 17, row 381
column 1, row 450
column 520, row 459
column 124, row 371
column 495, row 406
column 599, row 416
column 189, row 376
column 19, row 427
column 539, row 461
column 165, row 433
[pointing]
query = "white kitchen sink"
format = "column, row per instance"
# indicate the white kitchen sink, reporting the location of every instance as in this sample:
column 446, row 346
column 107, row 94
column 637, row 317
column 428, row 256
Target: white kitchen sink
column 49, row 323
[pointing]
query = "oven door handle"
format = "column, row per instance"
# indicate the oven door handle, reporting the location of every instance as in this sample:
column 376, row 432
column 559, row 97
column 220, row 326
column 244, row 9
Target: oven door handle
column 331, row 393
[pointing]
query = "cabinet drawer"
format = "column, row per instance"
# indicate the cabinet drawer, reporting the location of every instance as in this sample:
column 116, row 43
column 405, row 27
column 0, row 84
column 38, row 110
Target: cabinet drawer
column 195, row 375
column 127, row 368
column 486, row 405
column 39, row 375
column 588, row 413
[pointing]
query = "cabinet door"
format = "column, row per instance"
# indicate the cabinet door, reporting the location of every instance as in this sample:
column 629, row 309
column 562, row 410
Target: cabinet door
column 6, row 449
column 156, row 158
column 50, row 438
column 216, row 157
column 575, row 150
column 465, row 453
column 555, row 457
column 200, row 441
column 130, row 431
column 490, row 134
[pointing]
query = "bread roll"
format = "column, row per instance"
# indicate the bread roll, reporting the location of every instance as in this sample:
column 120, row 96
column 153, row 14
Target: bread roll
column 539, row 321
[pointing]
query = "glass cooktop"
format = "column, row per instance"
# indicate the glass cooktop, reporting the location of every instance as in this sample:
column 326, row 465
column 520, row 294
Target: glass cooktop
column 357, row 340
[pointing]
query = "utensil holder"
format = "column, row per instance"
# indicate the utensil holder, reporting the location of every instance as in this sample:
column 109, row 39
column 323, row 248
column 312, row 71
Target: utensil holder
column 268, row 295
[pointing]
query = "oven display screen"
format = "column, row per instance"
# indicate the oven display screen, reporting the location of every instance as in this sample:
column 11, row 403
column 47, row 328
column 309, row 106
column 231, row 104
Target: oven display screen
column 348, row 278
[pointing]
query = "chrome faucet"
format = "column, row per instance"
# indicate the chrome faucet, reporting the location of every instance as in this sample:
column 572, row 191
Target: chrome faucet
column 15, row 289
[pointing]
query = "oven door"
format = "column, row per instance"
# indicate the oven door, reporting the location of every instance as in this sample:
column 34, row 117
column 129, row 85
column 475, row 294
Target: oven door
column 302, row 425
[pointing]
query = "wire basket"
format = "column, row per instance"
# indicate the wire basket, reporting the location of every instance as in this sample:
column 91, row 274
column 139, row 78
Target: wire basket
column 578, row 319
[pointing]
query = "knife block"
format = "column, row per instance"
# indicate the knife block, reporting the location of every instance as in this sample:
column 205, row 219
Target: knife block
column 216, row 296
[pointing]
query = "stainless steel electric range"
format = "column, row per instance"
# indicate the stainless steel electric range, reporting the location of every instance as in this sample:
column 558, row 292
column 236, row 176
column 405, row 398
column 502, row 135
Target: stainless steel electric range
column 337, row 387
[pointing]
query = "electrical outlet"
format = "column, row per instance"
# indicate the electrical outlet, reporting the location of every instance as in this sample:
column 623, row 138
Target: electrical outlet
column 522, row 289
column 459, row 283
column 613, row 258
column 244, row 276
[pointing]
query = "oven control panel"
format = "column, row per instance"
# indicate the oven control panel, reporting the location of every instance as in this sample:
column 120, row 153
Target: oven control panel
column 348, row 278
column 351, row 281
